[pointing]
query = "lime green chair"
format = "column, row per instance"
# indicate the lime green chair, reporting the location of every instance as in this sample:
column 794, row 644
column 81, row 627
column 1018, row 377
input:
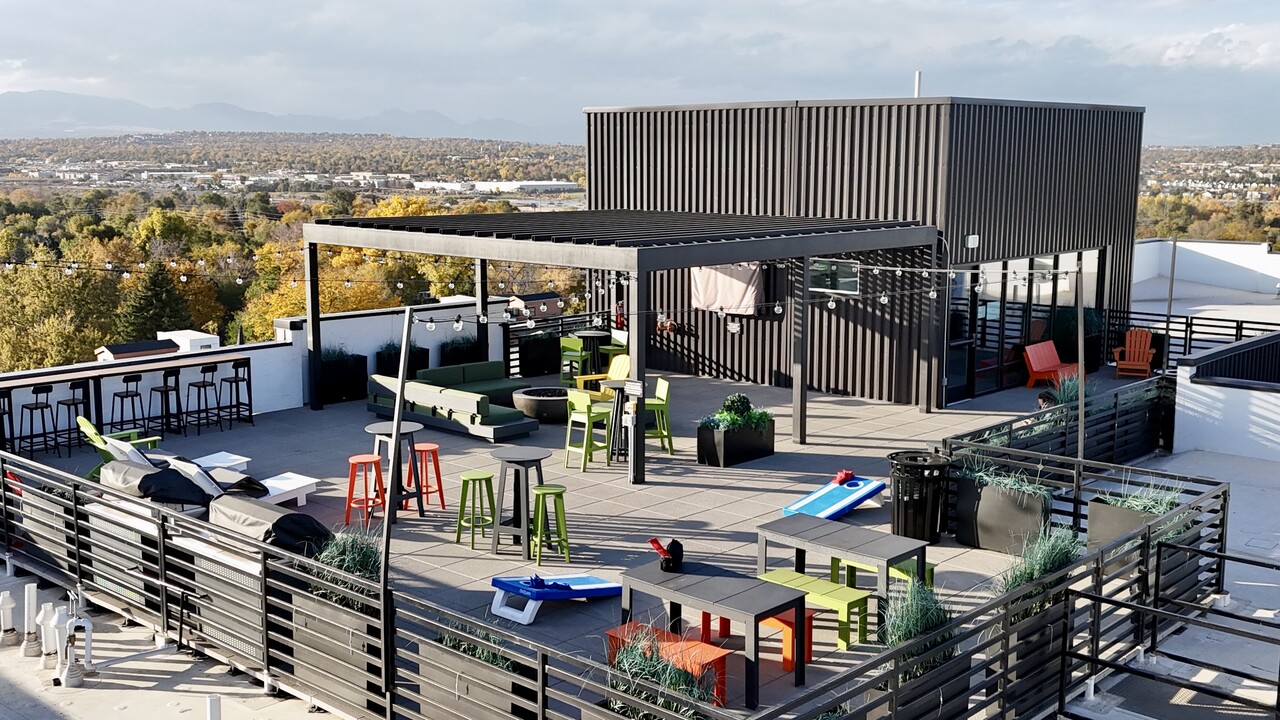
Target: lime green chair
column 586, row 414
column 660, row 407
column 617, row 344
column 561, row 535
column 478, row 484
column 574, row 361
column 94, row 438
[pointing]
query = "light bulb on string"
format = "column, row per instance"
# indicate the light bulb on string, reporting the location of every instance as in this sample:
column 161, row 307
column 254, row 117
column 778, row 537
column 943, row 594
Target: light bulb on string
column 884, row 299
column 573, row 299
column 501, row 285
column 551, row 284
column 597, row 321
column 126, row 274
column 720, row 313
column 399, row 286
column 526, row 312
column 142, row 266
column 451, row 285
column 483, row 319
column 347, row 283
column 542, row 308
column 457, row 323
column 530, row 323
column 875, row 271
column 899, row 272
column 506, row 315
column 831, row 304
column 68, row 271
column 293, row 283
column 560, row 303
column 173, row 263
column 626, row 278
column 200, row 262
column 933, row 294
column 183, row 277
column 431, row 324
column 777, row 308
column 239, row 281
column 662, row 317
column 255, row 257
column 109, row 265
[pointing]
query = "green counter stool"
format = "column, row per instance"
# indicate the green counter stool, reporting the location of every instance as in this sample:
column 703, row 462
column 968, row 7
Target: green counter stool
column 661, row 414
column 539, row 537
column 586, row 413
column 479, row 485
column 573, row 360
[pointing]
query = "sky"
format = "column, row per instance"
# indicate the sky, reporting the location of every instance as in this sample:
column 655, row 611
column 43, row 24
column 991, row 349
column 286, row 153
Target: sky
column 1207, row 71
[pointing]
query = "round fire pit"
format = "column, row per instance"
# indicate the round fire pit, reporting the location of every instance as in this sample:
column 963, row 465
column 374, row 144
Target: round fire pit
column 547, row 404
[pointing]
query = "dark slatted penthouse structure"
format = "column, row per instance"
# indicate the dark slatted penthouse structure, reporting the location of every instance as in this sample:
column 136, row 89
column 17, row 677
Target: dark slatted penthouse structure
column 1016, row 190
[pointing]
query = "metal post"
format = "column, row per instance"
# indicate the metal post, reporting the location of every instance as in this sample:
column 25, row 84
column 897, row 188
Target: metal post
column 481, row 291
column 1168, row 308
column 1080, row 359
column 391, row 499
column 314, row 380
column 638, row 341
column 800, row 353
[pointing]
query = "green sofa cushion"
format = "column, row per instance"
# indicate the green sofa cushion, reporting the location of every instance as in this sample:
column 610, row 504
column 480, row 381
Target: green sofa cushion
column 463, row 401
column 499, row 415
column 443, row 376
column 481, row 371
column 382, row 385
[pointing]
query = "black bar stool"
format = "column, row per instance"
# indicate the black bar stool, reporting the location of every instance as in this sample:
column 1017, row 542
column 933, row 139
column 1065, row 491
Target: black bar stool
column 40, row 408
column 130, row 398
column 170, row 418
column 239, row 402
column 68, row 408
column 204, row 412
column 6, row 418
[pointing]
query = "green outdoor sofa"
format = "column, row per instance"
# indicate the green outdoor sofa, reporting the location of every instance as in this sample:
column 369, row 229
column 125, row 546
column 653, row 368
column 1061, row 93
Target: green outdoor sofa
column 486, row 378
column 449, row 409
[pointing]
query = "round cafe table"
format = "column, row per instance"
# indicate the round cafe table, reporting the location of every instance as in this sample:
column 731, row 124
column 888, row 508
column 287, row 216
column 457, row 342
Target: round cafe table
column 519, row 460
column 382, row 433
column 592, row 340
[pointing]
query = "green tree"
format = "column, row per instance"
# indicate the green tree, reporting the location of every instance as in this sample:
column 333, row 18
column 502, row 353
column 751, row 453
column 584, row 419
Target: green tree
column 152, row 305
column 340, row 200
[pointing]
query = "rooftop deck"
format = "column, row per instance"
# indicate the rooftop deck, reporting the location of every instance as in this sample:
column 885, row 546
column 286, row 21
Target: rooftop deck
column 713, row 511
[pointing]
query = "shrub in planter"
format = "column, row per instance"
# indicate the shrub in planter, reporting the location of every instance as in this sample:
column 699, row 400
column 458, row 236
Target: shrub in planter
column 539, row 355
column 736, row 434
column 922, row 693
column 387, row 359
column 999, row 510
column 344, row 375
column 461, row 349
column 640, row 659
column 488, row 665
column 1115, row 515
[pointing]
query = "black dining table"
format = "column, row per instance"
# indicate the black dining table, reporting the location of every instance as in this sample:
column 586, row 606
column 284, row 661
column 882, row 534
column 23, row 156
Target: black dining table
column 592, row 340
column 727, row 594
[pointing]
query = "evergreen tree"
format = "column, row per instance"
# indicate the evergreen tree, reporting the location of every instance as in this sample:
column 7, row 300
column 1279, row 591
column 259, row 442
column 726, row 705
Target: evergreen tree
column 154, row 304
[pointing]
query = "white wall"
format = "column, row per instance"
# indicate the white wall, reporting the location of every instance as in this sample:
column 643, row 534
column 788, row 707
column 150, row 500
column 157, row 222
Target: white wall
column 1226, row 420
column 1234, row 265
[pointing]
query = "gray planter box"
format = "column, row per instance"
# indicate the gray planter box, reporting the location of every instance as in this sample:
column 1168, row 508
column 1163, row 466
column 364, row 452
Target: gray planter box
column 993, row 518
column 465, row 682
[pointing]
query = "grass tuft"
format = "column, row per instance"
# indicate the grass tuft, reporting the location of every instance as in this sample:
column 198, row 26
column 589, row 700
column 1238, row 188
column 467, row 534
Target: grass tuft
column 913, row 613
column 640, row 659
column 357, row 553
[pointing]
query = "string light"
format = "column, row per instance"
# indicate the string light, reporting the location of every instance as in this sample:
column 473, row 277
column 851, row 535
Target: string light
column 183, row 277
column 347, row 283
column 777, row 308
column 542, row 308
column 239, row 281
column 506, row 315
column 457, row 323
column 530, row 323
column 483, row 319
column 884, row 299
column 431, row 324
column 831, row 304
column 560, row 303
column 720, row 313
column 597, row 321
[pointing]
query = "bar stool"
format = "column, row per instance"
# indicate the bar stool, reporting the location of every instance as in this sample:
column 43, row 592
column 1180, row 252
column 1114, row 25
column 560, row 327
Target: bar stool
column 585, row 413
column 70, row 408
column 478, row 515
column 422, row 452
column 170, row 417
column 6, row 420
column 539, row 537
column 364, row 463
column 129, row 398
column 520, row 462
column 239, row 406
column 202, row 412
column 40, row 408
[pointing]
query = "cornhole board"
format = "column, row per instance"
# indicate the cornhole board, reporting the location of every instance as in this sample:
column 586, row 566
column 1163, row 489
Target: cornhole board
column 581, row 587
column 835, row 499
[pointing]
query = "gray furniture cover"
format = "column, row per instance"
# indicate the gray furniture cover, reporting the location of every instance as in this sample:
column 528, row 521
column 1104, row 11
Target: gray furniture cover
column 286, row 529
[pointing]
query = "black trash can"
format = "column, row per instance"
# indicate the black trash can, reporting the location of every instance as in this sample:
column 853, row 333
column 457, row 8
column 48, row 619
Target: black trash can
column 919, row 481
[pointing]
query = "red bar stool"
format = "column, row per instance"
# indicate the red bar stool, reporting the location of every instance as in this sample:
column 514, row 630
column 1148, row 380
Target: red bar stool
column 422, row 452
column 364, row 464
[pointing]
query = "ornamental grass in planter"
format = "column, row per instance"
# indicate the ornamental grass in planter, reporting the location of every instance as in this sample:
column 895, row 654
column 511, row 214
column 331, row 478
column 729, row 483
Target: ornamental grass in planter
column 460, row 350
column 387, row 359
column 923, row 692
column 487, row 664
column 344, row 375
column 1115, row 515
column 997, row 509
column 639, row 659
column 737, row 433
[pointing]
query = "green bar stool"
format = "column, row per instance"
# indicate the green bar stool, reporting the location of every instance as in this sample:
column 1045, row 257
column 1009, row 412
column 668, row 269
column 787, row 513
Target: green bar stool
column 584, row 413
column 574, row 361
column 539, row 535
column 478, row 514
column 660, row 405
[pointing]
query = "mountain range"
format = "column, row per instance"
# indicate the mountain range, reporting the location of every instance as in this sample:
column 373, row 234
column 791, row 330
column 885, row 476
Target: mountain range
column 50, row 114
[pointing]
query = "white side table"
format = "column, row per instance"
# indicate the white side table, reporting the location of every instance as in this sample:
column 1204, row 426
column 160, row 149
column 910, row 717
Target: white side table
column 227, row 460
column 289, row 486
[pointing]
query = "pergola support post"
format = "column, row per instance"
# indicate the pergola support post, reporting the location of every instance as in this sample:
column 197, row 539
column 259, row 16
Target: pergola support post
column 638, row 342
column 314, row 380
column 800, row 352
column 481, row 291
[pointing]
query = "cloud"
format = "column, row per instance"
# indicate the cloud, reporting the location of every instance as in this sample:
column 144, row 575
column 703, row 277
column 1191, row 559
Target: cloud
column 540, row 63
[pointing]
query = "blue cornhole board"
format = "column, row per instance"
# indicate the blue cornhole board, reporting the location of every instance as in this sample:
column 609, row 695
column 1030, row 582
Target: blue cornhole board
column 835, row 499
column 581, row 587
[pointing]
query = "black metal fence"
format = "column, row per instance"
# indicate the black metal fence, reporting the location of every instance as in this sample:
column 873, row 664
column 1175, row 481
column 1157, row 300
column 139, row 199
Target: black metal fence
column 534, row 351
column 1252, row 363
column 1120, row 426
column 1184, row 334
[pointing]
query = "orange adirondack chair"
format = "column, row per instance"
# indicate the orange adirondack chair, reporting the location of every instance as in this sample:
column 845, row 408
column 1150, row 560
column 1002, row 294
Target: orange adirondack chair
column 1134, row 359
column 1043, row 363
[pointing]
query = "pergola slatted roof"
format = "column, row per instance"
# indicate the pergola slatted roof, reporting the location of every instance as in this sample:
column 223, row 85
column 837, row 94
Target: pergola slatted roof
column 617, row 239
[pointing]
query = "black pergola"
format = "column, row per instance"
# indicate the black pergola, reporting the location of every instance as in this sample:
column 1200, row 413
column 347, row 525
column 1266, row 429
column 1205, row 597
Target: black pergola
column 635, row 242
